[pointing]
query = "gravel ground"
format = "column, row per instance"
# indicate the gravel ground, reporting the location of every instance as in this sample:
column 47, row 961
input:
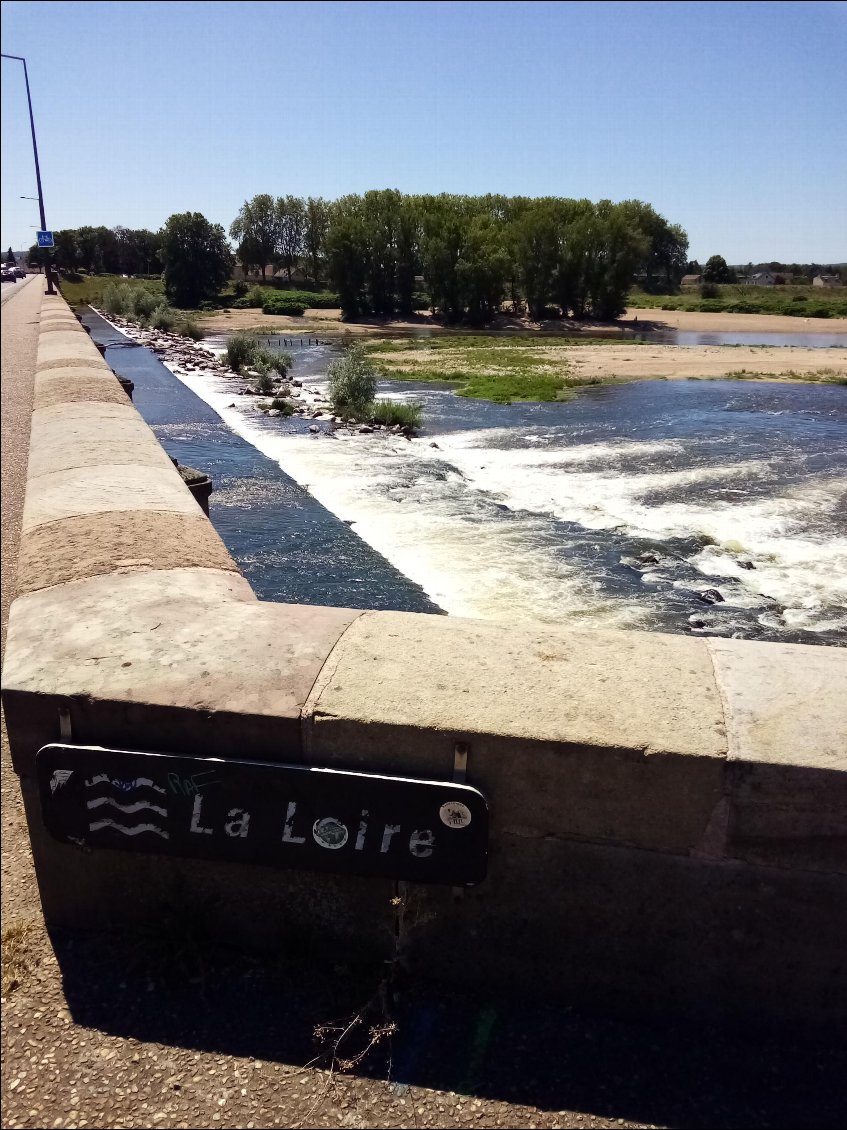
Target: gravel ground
column 107, row 1032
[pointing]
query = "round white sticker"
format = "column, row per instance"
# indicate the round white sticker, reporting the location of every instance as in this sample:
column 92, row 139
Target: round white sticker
column 329, row 833
column 455, row 814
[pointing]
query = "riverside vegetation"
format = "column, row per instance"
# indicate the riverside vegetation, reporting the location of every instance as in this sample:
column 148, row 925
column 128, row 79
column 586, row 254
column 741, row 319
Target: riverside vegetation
column 352, row 389
column 487, row 368
column 788, row 301
column 147, row 306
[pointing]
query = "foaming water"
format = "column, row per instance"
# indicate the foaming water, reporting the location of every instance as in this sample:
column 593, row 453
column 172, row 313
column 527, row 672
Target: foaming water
column 684, row 506
column 705, row 507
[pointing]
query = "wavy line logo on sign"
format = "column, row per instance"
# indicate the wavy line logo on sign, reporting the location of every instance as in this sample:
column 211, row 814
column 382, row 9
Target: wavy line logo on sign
column 132, row 804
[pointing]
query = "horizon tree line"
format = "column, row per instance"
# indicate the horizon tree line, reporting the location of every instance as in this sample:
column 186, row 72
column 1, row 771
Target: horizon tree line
column 388, row 253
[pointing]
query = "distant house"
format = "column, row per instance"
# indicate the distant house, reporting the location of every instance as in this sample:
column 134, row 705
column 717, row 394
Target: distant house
column 762, row 278
column 691, row 280
column 827, row 280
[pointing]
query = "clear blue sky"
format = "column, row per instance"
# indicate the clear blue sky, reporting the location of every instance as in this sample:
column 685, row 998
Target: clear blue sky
column 730, row 118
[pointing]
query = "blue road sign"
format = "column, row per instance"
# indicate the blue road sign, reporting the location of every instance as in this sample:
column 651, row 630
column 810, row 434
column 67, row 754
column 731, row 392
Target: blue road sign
column 45, row 239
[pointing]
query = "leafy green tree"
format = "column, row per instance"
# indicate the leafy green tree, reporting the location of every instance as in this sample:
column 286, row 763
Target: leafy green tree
column 536, row 251
column 290, row 212
column 352, row 383
column 65, row 252
column 11, row 261
column 258, row 231
column 316, row 222
column 196, row 258
column 347, row 253
column 482, row 270
column 717, row 271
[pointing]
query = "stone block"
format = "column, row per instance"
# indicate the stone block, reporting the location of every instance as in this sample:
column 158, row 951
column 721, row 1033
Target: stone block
column 85, row 384
column 61, row 441
column 787, row 759
column 606, row 736
column 117, row 542
column 104, row 489
column 133, row 645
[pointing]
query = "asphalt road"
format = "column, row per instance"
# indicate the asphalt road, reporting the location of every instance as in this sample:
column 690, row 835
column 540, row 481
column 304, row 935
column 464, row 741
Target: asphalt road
column 105, row 1032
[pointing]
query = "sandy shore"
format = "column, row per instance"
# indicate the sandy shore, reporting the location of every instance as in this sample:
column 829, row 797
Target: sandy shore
column 682, row 362
column 328, row 322
column 736, row 323
column 626, row 362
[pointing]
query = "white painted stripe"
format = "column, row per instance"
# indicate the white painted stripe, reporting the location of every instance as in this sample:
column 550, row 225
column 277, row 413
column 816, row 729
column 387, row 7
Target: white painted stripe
column 135, row 830
column 137, row 807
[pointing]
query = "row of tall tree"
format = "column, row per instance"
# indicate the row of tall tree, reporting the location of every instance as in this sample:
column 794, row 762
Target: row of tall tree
column 380, row 250
column 472, row 251
column 102, row 250
column 281, row 232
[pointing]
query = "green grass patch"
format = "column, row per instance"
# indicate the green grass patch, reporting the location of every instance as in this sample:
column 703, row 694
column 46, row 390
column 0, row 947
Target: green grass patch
column 89, row 289
column 484, row 341
column 391, row 413
column 500, row 369
column 789, row 301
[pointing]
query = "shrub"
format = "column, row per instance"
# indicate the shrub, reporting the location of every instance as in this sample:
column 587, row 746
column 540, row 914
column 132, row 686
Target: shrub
column 390, row 412
column 710, row 290
column 352, row 383
column 272, row 361
column 240, row 350
column 162, row 318
column 192, row 329
column 284, row 406
column 144, row 302
column 284, row 304
column 242, row 304
column 256, row 296
column 239, row 288
column 264, row 382
column 420, row 301
column 245, row 349
column 112, row 300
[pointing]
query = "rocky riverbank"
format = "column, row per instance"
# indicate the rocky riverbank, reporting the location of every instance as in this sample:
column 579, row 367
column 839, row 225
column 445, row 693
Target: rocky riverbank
column 287, row 397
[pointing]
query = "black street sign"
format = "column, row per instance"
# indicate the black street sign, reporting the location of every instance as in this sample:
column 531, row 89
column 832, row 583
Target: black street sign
column 260, row 812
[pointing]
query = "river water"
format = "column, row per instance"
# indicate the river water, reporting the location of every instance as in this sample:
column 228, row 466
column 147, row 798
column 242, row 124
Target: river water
column 705, row 507
column 288, row 546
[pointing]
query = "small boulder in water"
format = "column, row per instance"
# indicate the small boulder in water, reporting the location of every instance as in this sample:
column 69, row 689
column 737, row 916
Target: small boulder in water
column 746, row 565
column 314, row 428
column 710, row 596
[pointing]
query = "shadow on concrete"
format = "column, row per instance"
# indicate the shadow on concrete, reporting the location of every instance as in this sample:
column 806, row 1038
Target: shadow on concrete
column 176, row 992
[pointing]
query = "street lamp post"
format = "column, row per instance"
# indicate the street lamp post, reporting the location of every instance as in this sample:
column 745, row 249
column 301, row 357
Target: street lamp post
column 21, row 59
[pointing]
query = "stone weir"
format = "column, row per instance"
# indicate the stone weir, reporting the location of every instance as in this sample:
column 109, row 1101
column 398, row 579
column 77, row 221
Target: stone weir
column 621, row 819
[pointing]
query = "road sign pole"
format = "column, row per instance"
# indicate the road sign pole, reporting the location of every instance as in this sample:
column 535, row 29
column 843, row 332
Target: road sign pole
column 21, row 59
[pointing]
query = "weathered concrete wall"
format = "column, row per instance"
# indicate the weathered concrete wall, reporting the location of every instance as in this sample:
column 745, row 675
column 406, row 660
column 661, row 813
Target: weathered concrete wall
column 669, row 815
